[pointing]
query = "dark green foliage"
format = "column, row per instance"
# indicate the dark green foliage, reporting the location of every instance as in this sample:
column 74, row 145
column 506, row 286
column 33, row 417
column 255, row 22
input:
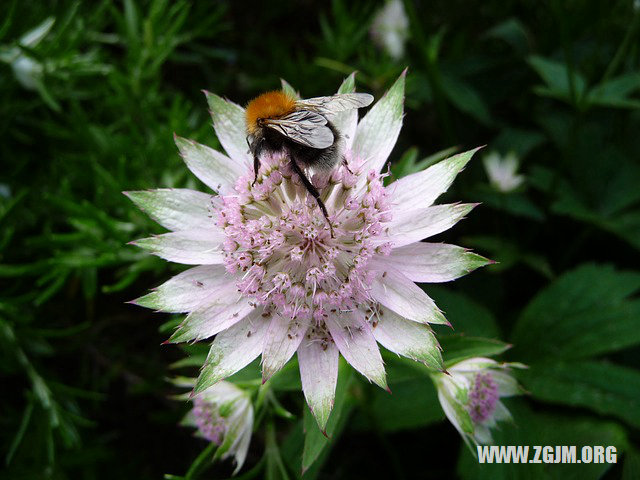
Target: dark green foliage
column 92, row 113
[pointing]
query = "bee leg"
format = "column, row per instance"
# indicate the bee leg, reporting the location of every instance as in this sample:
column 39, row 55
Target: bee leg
column 313, row 191
column 256, row 147
column 256, row 167
column 346, row 164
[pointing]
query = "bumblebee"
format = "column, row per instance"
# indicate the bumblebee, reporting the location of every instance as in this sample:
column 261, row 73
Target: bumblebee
column 278, row 122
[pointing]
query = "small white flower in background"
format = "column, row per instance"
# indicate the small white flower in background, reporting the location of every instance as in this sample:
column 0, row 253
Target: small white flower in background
column 502, row 171
column 274, row 281
column 470, row 396
column 223, row 414
column 27, row 70
column 390, row 28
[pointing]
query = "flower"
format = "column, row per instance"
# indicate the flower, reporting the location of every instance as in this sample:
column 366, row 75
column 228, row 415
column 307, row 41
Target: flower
column 27, row 70
column 502, row 171
column 223, row 414
column 390, row 28
column 272, row 280
column 470, row 395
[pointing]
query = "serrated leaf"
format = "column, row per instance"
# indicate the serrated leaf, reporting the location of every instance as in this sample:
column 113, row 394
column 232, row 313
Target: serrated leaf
column 585, row 312
column 605, row 388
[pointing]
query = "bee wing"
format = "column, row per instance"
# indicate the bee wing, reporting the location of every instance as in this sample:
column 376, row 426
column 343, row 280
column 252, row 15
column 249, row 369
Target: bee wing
column 303, row 127
column 336, row 103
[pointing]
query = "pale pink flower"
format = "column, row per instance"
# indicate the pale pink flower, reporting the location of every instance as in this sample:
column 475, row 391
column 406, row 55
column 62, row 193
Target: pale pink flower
column 470, row 392
column 273, row 281
column 223, row 415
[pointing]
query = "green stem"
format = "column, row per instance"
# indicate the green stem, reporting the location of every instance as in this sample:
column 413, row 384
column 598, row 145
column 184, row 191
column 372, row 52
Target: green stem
column 622, row 49
column 196, row 466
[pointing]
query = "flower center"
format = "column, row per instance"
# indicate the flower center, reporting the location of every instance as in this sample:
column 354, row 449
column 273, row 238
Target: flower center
column 483, row 398
column 210, row 424
column 280, row 246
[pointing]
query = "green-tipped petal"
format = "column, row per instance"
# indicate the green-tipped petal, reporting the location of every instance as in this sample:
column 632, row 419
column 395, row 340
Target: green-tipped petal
column 232, row 350
column 186, row 291
column 230, row 125
column 318, row 360
column 347, row 121
column 379, row 129
column 422, row 188
column 288, row 89
column 409, row 226
column 190, row 247
column 355, row 340
column 217, row 171
column 409, row 339
column 434, row 262
column 399, row 294
column 176, row 208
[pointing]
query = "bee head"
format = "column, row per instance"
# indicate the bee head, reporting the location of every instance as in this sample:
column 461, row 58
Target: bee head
column 274, row 104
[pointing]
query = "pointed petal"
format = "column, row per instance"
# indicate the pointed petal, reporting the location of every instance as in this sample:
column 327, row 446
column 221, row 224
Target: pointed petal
column 379, row 129
column 191, row 247
column 409, row 339
column 399, row 294
column 408, row 226
column 176, row 208
column 507, row 384
column 318, row 359
column 217, row 171
column 186, row 291
column 434, row 262
column 288, row 89
column 353, row 337
column 232, row 350
column 422, row 188
column 281, row 342
column 220, row 311
column 230, row 126
column 346, row 122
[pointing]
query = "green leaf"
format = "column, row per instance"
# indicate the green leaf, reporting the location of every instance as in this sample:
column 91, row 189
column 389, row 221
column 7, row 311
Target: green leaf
column 557, row 77
column 414, row 403
column 466, row 315
column 275, row 467
column 466, row 98
column 613, row 93
column 605, row 388
column 314, row 440
column 585, row 312
column 460, row 347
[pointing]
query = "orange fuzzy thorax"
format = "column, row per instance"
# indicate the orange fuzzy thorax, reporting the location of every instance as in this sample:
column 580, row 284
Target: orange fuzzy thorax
column 268, row 105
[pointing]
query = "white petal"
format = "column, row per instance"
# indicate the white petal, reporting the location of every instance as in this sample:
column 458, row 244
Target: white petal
column 433, row 262
column 220, row 311
column 288, row 89
column 507, row 384
column 379, row 129
column 409, row 226
column 200, row 246
column 232, row 350
column 281, row 342
column 176, row 208
column 216, row 170
column 187, row 290
column 230, row 125
column 501, row 413
column 396, row 292
column 242, row 446
column 346, row 121
column 318, row 359
column 422, row 188
column 409, row 339
column 353, row 337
